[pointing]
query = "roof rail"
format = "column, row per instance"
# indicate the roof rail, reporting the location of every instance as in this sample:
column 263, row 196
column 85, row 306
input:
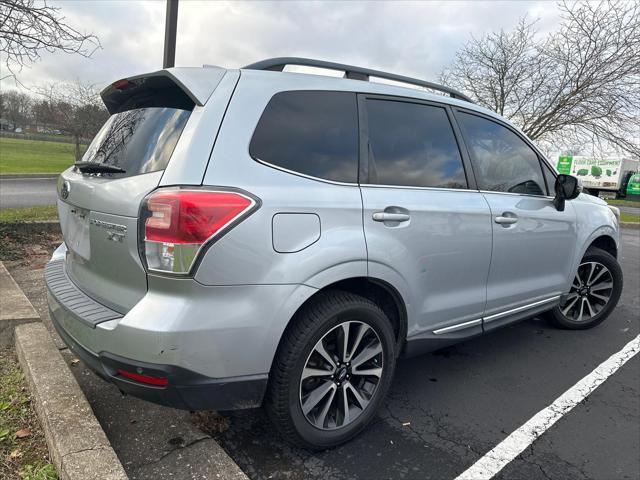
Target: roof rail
column 354, row 73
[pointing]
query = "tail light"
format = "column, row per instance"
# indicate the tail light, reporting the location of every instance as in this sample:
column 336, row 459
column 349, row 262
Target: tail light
column 178, row 223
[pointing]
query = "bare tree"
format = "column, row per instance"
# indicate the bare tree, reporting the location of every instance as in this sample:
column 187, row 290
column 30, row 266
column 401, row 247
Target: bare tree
column 580, row 84
column 16, row 108
column 75, row 108
column 27, row 28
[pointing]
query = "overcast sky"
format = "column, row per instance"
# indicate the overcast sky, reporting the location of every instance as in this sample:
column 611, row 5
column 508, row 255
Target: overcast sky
column 413, row 38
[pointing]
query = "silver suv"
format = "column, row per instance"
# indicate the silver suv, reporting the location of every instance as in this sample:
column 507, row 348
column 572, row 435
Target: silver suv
column 242, row 237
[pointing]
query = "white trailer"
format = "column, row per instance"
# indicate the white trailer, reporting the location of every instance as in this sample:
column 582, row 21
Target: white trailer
column 608, row 176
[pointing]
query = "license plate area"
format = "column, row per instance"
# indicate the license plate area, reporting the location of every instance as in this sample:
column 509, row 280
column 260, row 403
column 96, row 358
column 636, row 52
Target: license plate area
column 75, row 228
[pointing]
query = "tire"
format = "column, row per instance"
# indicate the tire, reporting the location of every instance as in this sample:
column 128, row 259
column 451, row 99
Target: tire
column 568, row 318
column 313, row 330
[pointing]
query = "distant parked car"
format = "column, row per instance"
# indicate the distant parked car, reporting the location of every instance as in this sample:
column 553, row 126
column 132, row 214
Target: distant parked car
column 234, row 238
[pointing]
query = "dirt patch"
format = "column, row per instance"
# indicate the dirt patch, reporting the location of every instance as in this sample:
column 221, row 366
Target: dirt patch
column 29, row 246
column 210, row 422
column 23, row 450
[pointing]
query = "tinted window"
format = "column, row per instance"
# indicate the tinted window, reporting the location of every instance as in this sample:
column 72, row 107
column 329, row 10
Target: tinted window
column 502, row 161
column 138, row 141
column 412, row 144
column 550, row 177
column 314, row 133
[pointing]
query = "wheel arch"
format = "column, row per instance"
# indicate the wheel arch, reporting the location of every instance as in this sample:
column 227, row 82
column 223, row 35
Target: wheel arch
column 606, row 243
column 603, row 236
column 382, row 293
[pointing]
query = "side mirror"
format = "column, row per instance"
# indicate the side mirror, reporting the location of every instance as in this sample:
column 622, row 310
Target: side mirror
column 567, row 187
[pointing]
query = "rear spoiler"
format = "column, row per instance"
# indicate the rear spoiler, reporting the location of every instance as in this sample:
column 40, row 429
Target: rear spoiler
column 182, row 87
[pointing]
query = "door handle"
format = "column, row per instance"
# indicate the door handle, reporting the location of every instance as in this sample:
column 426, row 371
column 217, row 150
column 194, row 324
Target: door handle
column 506, row 220
column 391, row 217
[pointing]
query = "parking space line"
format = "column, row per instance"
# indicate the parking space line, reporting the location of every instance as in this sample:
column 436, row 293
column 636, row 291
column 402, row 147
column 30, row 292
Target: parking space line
column 512, row 446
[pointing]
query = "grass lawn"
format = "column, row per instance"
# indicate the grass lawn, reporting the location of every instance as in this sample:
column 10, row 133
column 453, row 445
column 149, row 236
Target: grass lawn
column 625, row 203
column 23, row 451
column 34, row 156
column 624, row 216
column 629, row 217
column 28, row 214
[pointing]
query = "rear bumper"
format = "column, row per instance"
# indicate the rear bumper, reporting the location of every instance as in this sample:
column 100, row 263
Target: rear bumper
column 186, row 390
column 214, row 344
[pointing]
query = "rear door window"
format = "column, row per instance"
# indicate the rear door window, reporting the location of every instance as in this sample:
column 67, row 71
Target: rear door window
column 412, row 144
column 502, row 161
column 138, row 141
column 314, row 133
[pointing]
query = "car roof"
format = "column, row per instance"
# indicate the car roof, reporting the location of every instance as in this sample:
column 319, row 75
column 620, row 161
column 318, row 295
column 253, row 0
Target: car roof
column 199, row 83
column 319, row 81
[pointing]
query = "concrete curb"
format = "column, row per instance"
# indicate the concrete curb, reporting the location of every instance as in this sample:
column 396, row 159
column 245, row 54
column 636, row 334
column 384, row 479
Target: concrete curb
column 15, row 308
column 78, row 446
column 30, row 176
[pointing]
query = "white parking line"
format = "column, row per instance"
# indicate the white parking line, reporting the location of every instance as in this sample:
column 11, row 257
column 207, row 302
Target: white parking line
column 512, row 446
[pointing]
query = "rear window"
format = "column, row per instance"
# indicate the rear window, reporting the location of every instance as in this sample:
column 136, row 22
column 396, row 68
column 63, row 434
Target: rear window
column 412, row 144
column 138, row 141
column 310, row 132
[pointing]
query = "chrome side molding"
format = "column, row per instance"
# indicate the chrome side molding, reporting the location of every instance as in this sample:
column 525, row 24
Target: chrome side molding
column 495, row 316
column 459, row 326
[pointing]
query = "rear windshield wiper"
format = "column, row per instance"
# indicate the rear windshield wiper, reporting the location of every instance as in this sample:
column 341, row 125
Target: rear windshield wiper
column 95, row 167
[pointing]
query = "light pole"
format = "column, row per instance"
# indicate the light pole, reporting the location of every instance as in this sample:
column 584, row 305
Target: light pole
column 170, row 29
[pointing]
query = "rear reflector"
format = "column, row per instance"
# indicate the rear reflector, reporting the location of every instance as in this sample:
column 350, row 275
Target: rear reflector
column 177, row 223
column 156, row 381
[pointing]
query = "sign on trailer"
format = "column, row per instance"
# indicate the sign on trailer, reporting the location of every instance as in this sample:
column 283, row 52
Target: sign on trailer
column 595, row 173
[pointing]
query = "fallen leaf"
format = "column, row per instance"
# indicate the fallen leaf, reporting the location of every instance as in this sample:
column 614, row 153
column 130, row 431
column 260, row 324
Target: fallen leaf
column 23, row 432
column 75, row 361
column 15, row 454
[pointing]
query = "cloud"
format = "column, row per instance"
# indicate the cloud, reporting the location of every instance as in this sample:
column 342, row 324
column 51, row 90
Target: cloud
column 412, row 38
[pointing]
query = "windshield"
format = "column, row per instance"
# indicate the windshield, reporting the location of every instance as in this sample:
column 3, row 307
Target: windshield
column 138, row 141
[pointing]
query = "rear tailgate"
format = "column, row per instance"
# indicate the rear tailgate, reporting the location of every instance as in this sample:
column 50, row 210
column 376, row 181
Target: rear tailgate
column 99, row 209
column 102, row 248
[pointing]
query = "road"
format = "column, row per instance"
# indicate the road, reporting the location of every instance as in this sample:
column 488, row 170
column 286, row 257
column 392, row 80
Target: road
column 631, row 210
column 445, row 410
column 27, row 192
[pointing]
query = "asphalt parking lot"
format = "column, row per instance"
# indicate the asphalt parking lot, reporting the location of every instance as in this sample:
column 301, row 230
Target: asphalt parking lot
column 461, row 402
column 445, row 410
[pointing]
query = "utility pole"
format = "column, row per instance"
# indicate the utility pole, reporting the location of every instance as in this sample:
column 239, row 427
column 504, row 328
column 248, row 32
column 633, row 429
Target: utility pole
column 170, row 29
